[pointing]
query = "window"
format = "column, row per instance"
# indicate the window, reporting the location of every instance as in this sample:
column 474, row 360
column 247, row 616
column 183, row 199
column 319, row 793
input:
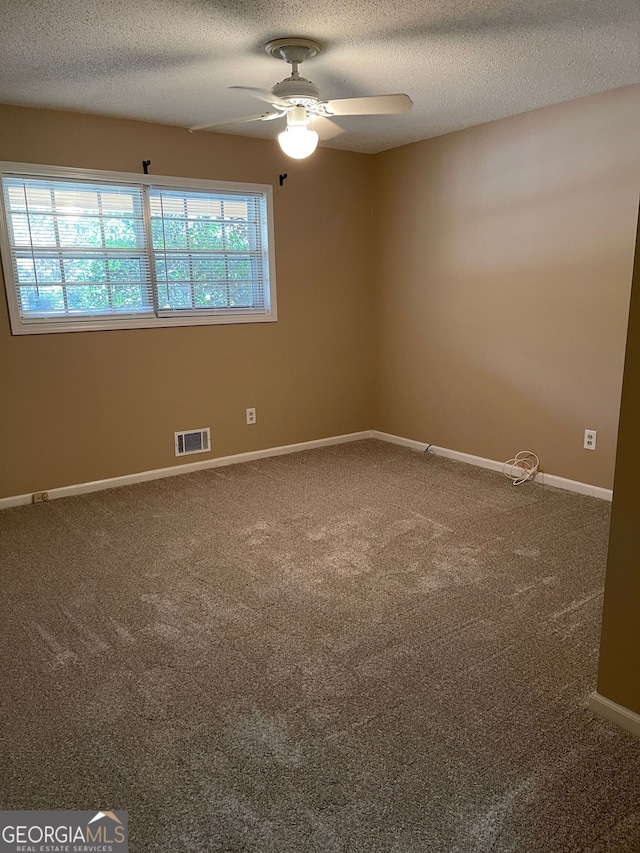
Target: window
column 94, row 250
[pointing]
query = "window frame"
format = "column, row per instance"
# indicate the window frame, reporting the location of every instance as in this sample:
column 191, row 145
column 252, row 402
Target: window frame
column 160, row 319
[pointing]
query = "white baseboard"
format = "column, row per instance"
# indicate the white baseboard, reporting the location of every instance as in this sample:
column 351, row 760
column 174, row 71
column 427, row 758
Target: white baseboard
column 574, row 486
column 617, row 714
column 493, row 465
column 176, row 470
column 397, row 439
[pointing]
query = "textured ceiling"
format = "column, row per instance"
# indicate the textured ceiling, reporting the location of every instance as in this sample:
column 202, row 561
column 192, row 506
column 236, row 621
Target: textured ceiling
column 463, row 62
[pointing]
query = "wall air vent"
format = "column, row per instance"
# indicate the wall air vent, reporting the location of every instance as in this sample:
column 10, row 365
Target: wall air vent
column 192, row 441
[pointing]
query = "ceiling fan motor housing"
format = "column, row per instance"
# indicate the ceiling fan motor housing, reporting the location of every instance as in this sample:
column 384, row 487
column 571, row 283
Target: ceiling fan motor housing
column 297, row 91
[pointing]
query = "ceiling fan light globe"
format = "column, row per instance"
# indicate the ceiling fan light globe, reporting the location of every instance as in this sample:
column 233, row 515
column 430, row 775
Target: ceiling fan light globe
column 298, row 142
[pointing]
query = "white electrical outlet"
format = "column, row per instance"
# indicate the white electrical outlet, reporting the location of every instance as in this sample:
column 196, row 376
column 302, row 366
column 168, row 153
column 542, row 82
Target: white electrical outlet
column 590, row 439
column 251, row 416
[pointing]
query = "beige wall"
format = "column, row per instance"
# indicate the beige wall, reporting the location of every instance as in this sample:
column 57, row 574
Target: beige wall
column 503, row 258
column 619, row 674
column 90, row 405
column 502, row 263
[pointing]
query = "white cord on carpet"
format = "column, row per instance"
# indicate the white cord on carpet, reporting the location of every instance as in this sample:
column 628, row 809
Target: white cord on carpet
column 524, row 466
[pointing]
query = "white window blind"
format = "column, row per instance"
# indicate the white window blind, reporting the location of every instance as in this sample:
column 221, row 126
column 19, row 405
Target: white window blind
column 89, row 253
column 208, row 250
column 77, row 249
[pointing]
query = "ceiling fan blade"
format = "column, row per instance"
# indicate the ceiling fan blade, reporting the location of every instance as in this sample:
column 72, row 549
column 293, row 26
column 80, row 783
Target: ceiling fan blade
column 262, row 95
column 261, row 117
column 372, row 105
column 324, row 127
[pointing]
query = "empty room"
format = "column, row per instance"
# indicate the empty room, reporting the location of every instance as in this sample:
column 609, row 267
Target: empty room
column 319, row 499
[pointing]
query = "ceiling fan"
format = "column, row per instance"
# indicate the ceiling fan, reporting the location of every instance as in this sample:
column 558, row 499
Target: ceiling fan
column 298, row 99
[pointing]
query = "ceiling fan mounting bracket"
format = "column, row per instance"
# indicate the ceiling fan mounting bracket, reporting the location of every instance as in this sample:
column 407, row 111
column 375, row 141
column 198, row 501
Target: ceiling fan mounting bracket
column 293, row 49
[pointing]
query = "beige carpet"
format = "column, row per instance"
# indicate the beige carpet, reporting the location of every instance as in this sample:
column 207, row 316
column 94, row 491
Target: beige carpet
column 359, row 649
